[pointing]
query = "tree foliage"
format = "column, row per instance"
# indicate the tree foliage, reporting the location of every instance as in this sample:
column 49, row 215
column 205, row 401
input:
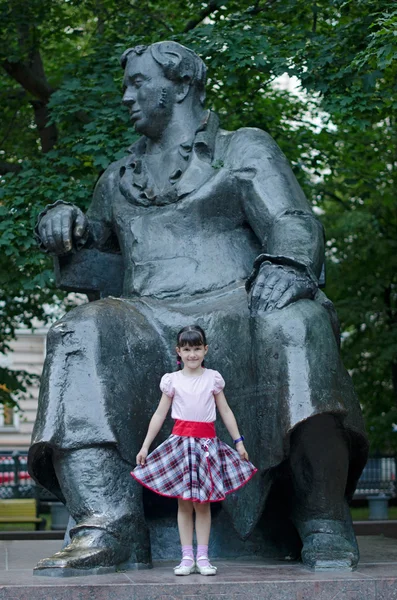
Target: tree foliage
column 63, row 123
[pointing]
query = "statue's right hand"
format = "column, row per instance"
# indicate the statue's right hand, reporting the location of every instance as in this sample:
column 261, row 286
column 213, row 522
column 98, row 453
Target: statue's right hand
column 61, row 228
column 141, row 456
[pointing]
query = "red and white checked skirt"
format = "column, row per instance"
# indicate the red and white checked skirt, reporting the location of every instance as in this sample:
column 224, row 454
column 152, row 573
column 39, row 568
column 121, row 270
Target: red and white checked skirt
column 194, row 468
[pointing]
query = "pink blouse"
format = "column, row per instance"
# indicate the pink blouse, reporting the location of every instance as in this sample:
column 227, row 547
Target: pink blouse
column 193, row 397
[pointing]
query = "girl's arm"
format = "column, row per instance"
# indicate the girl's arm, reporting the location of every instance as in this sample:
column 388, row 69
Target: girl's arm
column 156, row 423
column 230, row 422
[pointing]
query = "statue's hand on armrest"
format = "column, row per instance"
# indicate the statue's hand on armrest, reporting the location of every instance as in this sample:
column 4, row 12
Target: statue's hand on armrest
column 276, row 286
column 61, row 227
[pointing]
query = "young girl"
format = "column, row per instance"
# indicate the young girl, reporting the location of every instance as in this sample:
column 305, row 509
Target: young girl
column 193, row 465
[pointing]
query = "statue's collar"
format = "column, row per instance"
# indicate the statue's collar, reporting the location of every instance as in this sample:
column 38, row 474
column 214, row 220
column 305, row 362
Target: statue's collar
column 203, row 142
column 192, row 167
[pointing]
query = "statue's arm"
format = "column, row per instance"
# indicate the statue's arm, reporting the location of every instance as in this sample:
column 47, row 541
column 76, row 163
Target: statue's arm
column 277, row 210
column 62, row 227
column 101, row 232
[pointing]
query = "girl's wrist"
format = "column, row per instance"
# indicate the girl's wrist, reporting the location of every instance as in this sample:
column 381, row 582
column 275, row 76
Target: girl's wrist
column 238, row 440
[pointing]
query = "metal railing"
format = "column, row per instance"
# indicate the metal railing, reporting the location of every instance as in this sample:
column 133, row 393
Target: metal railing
column 378, row 477
column 15, row 481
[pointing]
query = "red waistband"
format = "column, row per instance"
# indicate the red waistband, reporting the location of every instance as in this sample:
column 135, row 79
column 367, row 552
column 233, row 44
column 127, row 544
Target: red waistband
column 194, row 429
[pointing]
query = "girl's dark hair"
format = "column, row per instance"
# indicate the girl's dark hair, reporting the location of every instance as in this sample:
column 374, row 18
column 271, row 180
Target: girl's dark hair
column 191, row 335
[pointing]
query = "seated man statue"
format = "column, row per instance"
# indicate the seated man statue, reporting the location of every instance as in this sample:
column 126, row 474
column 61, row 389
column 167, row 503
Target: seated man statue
column 213, row 229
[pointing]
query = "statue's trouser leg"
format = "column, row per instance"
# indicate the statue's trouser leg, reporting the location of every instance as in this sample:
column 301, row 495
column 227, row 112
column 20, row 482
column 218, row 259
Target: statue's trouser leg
column 105, row 501
column 319, row 462
column 95, row 403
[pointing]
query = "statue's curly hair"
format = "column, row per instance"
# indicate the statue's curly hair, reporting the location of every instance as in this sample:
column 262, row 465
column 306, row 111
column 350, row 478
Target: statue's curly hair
column 179, row 64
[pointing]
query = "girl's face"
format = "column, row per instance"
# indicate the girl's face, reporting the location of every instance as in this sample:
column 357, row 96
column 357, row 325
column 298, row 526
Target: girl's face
column 192, row 356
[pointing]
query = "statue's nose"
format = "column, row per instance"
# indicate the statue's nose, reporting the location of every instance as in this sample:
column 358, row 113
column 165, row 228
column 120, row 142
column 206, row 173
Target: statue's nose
column 129, row 98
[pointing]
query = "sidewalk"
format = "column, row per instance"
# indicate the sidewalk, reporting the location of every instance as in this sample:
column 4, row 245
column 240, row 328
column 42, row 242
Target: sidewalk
column 375, row 579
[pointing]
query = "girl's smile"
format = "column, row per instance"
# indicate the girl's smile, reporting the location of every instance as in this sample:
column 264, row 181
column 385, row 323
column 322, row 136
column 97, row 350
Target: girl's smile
column 192, row 357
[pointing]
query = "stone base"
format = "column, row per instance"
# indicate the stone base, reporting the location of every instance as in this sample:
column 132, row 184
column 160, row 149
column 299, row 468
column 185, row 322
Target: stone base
column 375, row 578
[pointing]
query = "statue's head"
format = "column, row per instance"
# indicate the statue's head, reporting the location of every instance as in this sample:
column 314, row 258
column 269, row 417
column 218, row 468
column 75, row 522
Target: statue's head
column 156, row 78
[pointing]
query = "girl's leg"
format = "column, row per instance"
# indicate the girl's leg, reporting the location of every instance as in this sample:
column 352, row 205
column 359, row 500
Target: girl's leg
column 203, row 528
column 203, row 523
column 185, row 527
column 185, row 522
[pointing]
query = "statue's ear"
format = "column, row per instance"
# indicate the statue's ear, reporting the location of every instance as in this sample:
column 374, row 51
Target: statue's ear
column 183, row 89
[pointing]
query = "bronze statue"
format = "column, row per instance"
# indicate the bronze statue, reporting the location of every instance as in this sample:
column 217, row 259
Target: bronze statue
column 212, row 228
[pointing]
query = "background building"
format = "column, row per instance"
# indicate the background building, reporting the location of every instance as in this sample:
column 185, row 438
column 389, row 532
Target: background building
column 28, row 351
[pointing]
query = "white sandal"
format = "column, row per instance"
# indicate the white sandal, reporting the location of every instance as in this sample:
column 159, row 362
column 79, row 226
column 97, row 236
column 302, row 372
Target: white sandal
column 207, row 570
column 184, row 570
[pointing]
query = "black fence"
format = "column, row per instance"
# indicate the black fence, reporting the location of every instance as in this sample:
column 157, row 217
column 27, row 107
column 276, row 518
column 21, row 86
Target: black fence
column 15, row 481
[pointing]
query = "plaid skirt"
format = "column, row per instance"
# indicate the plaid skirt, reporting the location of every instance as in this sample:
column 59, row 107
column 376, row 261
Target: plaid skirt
column 195, row 469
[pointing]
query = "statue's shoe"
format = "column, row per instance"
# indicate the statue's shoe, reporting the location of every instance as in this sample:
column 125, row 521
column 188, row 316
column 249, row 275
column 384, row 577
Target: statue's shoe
column 323, row 551
column 329, row 544
column 91, row 551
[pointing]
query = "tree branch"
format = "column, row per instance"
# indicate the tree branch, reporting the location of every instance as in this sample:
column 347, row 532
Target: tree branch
column 6, row 167
column 213, row 5
column 25, row 76
column 335, row 197
column 314, row 25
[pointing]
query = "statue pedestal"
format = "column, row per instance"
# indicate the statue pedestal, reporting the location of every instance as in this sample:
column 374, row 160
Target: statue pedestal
column 375, row 578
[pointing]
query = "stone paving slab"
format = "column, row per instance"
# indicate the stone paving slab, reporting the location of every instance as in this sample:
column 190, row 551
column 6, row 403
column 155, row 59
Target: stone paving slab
column 375, row 578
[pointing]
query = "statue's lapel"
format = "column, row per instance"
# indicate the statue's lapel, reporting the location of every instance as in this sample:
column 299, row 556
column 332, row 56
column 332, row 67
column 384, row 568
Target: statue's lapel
column 200, row 167
column 194, row 177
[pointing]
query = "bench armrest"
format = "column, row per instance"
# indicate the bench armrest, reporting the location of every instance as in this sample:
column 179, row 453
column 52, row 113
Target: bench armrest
column 90, row 271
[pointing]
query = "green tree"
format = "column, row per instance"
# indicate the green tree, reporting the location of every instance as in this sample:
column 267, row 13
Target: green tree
column 63, row 123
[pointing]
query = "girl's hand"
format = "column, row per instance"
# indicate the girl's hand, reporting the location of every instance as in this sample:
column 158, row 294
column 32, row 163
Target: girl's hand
column 242, row 451
column 141, row 456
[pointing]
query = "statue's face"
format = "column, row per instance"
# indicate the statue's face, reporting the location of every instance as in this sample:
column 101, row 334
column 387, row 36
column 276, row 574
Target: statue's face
column 149, row 95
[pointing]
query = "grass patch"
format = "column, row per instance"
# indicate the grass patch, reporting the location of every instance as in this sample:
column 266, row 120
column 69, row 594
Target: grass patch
column 362, row 513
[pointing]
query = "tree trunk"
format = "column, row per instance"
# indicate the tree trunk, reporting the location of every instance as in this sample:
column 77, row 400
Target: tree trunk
column 48, row 133
column 31, row 76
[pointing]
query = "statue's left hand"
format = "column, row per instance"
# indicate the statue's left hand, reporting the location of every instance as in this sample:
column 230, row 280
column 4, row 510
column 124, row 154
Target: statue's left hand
column 277, row 286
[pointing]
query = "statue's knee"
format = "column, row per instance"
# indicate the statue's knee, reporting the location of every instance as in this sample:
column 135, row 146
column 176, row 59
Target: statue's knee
column 59, row 333
column 76, row 327
column 294, row 324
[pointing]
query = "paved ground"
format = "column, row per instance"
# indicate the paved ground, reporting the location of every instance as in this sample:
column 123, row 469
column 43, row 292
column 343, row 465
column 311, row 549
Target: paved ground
column 375, row 579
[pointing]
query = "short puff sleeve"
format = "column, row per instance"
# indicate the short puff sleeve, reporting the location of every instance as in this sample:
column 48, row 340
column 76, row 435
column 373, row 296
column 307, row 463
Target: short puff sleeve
column 219, row 382
column 166, row 385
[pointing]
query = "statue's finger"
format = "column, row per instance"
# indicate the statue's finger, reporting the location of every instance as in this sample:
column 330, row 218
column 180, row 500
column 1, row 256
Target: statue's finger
column 66, row 230
column 265, row 271
column 43, row 234
column 80, row 225
column 279, row 289
column 267, row 288
column 56, row 233
column 259, row 294
column 49, row 234
column 290, row 295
